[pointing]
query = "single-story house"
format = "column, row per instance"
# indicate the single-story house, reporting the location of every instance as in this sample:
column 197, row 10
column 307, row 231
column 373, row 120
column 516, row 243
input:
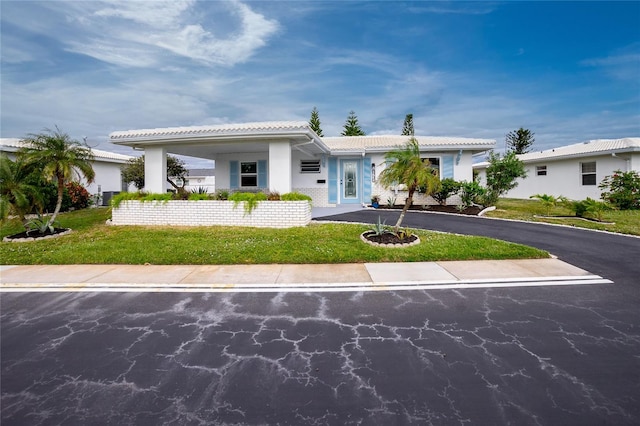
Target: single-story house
column 200, row 179
column 289, row 156
column 574, row 171
column 106, row 165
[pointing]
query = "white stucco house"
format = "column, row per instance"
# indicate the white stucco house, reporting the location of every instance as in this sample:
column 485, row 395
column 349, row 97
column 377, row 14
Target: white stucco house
column 106, row 165
column 289, row 156
column 574, row 171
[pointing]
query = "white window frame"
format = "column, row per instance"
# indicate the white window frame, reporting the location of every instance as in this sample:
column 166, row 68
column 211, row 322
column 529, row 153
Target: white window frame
column 439, row 169
column 249, row 175
column 588, row 173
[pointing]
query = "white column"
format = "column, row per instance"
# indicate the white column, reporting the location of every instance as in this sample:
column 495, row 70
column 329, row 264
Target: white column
column 280, row 167
column 155, row 170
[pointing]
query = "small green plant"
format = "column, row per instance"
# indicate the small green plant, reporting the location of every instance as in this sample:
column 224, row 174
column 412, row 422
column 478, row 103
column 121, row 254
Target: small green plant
column 548, row 201
column 596, row 208
column 250, row 199
column 158, row 197
column 391, row 201
column 579, row 208
column 196, row 196
column 448, row 187
column 125, row 196
column 404, row 233
column 379, row 228
column 200, row 190
column 295, row 196
column 221, row 194
column 41, row 225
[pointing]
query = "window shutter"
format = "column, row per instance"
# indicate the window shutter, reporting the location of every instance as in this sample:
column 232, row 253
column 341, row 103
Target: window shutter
column 234, row 174
column 262, row 174
column 333, row 180
column 366, row 180
column 447, row 166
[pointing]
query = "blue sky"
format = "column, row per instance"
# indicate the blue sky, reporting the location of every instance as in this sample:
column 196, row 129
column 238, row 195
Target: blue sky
column 568, row 71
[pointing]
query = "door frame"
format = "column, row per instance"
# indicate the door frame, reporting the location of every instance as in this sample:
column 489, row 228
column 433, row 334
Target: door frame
column 341, row 197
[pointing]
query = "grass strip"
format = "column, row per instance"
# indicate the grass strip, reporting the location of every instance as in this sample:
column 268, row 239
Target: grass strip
column 93, row 242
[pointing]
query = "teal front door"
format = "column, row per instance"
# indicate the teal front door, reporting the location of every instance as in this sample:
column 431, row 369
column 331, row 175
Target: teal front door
column 350, row 181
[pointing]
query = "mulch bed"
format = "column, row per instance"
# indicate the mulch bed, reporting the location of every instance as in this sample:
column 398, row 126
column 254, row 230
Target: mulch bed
column 471, row 210
column 36, row 235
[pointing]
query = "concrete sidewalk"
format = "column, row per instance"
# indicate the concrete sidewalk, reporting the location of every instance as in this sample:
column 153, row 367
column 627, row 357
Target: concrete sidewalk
column 283, row 278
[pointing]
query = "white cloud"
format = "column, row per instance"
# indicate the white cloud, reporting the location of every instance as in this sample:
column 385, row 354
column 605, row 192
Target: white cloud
column 142, row 34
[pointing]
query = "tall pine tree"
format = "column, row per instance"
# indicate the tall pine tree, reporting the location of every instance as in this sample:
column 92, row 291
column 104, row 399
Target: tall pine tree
column 520, row 141
column 314, row 122
column 407, row 127
column 351, row 126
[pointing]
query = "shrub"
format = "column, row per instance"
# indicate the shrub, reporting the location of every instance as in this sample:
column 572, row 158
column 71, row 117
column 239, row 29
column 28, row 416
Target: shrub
column 273, row 196
column 448, row 187
column 221, row 194
column 471, row 193
column 501, row 176
column 622, row 189
column 251, row 200
column 78, row 195
column 295, row 196
column 195, row 196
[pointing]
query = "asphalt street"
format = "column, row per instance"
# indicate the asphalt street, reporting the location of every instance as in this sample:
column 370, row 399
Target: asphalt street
column 521, row 356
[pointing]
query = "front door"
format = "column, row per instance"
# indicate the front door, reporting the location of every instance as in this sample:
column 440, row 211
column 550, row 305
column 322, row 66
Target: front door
column 349, row 183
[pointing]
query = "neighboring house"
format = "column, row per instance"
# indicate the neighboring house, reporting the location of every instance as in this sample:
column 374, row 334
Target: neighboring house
column 106, row 165
column 200, row 178
column 574, row 171
column 289, row 156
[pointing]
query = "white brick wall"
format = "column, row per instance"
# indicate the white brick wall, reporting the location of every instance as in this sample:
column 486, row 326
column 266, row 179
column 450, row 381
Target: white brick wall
column 267, row 214
column 320, row 196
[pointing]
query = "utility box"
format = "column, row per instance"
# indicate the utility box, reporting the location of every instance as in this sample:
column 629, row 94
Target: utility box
column 107, row 196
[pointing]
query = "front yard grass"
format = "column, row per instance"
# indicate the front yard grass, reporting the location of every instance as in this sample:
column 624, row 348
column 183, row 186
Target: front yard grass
column 623, row 221
column 93, row 242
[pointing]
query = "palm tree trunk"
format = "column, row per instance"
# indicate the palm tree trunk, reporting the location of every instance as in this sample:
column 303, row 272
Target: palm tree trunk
column 407, row 204
column 58, row 202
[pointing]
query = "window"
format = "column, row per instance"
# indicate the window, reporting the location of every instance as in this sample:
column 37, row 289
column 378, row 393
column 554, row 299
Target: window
column 309, row 166
column 249, row 174
column 541, row 170
column 588, row 171
column 434, row 164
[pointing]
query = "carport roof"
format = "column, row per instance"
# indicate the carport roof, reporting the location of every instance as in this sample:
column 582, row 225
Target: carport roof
column 205, row 141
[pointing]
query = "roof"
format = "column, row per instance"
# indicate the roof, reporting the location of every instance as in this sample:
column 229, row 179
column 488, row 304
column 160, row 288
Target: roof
column 13, row 144
column 583, row 149
column 201, row 172
column 211, row 130
column 206, row 141
column 386, row 142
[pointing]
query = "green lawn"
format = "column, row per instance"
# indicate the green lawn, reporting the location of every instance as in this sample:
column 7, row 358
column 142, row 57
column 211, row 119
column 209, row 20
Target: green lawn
column 93, row 242
column 623, row 222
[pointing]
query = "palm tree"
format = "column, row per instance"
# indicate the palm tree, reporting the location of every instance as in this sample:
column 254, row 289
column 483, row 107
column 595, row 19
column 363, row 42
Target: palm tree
column 404, row 166
column 61, row 159
column 17, row 196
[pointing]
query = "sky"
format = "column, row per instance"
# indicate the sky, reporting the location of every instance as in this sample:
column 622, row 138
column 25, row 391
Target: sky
column 567, row 71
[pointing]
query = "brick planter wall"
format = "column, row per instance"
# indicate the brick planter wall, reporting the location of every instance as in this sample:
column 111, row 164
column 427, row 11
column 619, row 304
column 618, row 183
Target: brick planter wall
column 267, row 214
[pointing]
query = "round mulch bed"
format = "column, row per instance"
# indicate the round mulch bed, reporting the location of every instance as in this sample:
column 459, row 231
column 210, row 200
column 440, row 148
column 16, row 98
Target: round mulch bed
column 34, row 235
column 388, row 239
